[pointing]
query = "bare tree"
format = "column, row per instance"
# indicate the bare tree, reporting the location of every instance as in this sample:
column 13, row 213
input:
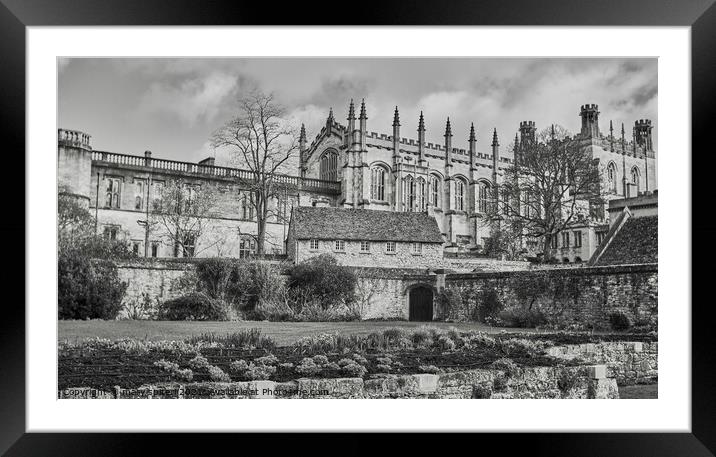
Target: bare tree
column 183, row 215
column 553, row 185
column 260, row 140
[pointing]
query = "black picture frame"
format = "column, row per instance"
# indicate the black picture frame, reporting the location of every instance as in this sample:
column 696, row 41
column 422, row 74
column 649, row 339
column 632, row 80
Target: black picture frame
column 16, row 15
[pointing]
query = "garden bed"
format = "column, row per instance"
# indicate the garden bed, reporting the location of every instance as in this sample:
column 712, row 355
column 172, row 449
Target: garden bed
column 246, row 356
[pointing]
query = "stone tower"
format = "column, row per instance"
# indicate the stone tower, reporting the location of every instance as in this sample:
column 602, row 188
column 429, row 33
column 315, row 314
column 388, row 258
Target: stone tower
column 74, row 165
column 642, row 134
column 590, row 121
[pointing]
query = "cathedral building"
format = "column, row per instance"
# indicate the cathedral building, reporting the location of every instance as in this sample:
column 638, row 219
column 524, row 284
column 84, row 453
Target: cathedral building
column 346, row 166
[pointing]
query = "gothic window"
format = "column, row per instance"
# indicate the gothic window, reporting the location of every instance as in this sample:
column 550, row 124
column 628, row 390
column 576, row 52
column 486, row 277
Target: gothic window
column 577, row 239
column 377, row 183
column 421, row 194
column 112, row 195
column 247, row 247
column 435, row 191
column 483, row 197
column 328, row 168
column 460, row 195
column 409, row 193
column 612, row 177
column 635, row 179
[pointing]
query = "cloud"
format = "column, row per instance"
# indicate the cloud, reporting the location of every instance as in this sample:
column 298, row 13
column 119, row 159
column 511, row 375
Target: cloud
column 192, row 100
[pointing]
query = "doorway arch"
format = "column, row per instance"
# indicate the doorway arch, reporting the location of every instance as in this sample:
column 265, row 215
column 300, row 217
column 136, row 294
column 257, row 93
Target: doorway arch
column 420, row 304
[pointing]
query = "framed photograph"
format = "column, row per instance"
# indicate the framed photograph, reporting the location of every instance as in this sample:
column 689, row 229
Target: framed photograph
column 428, row 219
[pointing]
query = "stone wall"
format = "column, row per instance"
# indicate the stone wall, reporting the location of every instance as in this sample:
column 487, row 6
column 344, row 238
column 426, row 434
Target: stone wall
column 533, row 382
column 383, row 292
column 627, row 362
column 156, row 278
column 580, row 296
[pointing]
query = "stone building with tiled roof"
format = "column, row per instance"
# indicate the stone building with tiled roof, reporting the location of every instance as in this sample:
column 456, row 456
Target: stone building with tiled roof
column 365, row 238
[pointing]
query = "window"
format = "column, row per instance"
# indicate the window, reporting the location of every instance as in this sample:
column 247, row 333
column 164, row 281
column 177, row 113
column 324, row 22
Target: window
column 553, row 241
column 189, row 243
column 138, row 194
column 635, row 179
column 416, row 248
column 112, row 195
column 460, row 195
column 601, row 236
column 155, row 248
column 365, row 246
column 246, row 206
column 506, row 200
column 377, row 183
column 340, row 245
column 390, row 247
column 328, row 167
column 136, row 245
column 565, row 239
column 111, row 232
column 313, row 245
column 247, row 247
column 612, row 177
column 483, row 197
column 435, row 191
column 577, row 239
column 189, row 198
column 421, row 194
column 409, row 193
column 157, row 195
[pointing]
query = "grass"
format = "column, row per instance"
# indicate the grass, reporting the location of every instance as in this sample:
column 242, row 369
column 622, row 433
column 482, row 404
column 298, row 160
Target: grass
column 283, row 333
column 639, row 391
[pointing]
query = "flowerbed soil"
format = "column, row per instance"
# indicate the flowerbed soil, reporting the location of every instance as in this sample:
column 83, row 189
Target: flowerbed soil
column 107, row 368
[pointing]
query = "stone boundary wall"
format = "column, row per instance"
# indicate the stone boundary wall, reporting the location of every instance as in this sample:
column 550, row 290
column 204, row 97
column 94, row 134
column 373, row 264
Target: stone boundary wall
column 581, row 296
column 532, row 382
column 628, row 362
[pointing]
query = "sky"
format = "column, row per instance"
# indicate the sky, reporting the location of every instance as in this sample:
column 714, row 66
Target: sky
column 172, row 106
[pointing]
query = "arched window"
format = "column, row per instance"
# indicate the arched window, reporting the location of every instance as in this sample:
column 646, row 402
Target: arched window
column 460, row 195
column 635, row 179
column 329, row 166
column 409, row 193
column 612, row 177
column 377, row 183
column 483, row 197
column 435, row 191
column 421, row 194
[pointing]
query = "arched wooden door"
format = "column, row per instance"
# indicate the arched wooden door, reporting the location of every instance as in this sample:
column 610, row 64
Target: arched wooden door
column 420, row 302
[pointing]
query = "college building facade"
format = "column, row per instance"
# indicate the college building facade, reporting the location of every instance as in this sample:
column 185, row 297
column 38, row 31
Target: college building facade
column 345, row 166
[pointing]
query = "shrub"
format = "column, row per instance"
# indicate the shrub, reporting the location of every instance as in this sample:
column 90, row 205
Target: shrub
column 619, row 321
column 354, row 370
column 217, row 374
column 320, row 360
column 195, row 306
column 308, row 367
column 245, row 339
column 422, row 338
column 321, row 276
column 238, row 366
column 268, row 360
column 199, row 362
column 87, row 288
column 507, row 365
column 522, row 318
column 142, row 309
column 489, row 305
column 429, row 369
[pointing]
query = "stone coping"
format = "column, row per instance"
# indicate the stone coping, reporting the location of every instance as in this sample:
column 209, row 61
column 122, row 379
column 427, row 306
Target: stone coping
column 585, row 271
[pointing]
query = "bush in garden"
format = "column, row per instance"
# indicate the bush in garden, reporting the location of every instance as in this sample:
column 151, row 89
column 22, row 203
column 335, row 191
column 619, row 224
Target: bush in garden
column 321, row 276
column 87, row 288
column 195, row 306
column 422, row 338
column 353, row 369
column 489, row 306
column 217, row 374
column 619, row 321
column 308, row 367
column 429, row 369
column 507, row 365
column 522, row 318
column 199, row 362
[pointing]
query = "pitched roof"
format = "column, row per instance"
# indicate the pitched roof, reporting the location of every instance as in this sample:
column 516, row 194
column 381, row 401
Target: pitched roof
column 332, row 223
column 636, row 242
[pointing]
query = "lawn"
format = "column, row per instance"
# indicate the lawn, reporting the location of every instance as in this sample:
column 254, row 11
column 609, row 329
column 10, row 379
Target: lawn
column 283, row 333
